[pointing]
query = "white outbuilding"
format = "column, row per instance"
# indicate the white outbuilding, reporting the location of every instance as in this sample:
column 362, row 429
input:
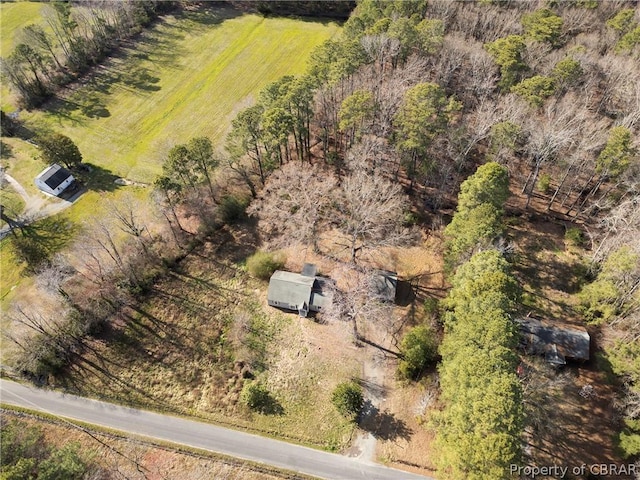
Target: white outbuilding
column 54, row 180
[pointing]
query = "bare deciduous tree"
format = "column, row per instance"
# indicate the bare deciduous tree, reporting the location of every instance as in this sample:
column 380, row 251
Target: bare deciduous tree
column 370, row 210
column 357, row 299
column 294, row 204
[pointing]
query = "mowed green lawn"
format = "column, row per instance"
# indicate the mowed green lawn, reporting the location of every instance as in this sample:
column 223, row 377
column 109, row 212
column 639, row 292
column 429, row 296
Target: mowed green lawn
column 187, row 77
column 14, row 16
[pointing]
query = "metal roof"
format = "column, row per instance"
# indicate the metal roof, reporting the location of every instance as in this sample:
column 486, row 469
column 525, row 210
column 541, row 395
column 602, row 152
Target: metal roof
column 384, row 284
column 290, row 288
column 566, row 340
column 309, row 270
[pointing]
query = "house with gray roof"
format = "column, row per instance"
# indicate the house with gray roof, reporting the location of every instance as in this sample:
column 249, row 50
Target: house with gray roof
column 54, row 180
column 556, row 342
column 300, row 292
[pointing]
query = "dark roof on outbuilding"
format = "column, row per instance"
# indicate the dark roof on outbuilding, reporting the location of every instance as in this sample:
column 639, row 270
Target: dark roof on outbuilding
column 309, row 270
column 384, row 284
column 554, row 341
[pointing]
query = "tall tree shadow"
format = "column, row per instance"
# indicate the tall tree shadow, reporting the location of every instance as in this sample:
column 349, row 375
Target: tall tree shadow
column 211, row 13
column 52, row 232
column 96, row 178
column 5, row 150
column 383, row 425
column 39, row 241
column 79, row 106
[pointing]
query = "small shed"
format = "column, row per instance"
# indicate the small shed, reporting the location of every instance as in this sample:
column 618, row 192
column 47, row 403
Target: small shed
column 384, row 285
column 556, row 342
column 54, row 180
column 300, row 292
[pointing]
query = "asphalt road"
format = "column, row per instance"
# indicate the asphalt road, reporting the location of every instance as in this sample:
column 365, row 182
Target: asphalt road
column 197, row 434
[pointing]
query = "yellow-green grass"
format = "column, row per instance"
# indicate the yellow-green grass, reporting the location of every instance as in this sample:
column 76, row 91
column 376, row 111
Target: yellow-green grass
column 12, row 202
column 186, row 77
column 20, row 160
column 10, row 274
column 13, row 17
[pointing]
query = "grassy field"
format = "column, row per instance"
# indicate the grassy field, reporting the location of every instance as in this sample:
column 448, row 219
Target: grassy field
column 186, row 77
column 11, row 201
column 14, row 16
column 20, row 160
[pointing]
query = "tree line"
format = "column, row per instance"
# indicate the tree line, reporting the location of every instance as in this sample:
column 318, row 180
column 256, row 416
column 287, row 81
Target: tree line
column 26, row 454
column 72, row 40
column 479, row 429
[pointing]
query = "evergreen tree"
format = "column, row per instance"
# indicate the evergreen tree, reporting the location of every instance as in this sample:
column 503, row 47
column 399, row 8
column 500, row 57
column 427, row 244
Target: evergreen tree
column 479, row 429
column 478, row 218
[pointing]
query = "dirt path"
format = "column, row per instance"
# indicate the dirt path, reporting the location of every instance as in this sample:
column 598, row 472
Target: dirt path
column 375, row 392
column 374, row 389
column 36, row 207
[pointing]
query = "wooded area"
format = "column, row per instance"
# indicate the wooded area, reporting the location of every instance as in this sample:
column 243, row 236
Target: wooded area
column 420, row 115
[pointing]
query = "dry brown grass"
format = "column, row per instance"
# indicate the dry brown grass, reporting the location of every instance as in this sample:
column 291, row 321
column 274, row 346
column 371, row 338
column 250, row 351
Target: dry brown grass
column 205, row 329
column 408, row 403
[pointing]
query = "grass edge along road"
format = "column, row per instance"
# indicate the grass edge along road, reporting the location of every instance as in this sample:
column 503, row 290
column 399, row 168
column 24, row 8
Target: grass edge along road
column 198, row 435
column 105, row 437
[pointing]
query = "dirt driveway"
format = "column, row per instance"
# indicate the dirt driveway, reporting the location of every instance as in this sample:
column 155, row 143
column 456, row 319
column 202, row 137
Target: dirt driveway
column 36, row 206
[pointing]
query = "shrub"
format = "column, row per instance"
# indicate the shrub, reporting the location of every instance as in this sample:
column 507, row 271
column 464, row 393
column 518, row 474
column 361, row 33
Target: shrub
column 597, row 301
column 623, row 21
column 409, row 219
column 257, row 397
column 263, row 264
column 348, row 398
column 629, row 41
column 232, row 208
column 574, row 236
column 430, row 306
column 418, row 348
column 544, row 183
column 629, row 443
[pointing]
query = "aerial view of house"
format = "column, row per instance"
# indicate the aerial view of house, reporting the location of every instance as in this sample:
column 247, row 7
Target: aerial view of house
column 54, row 180
column 339, row 240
